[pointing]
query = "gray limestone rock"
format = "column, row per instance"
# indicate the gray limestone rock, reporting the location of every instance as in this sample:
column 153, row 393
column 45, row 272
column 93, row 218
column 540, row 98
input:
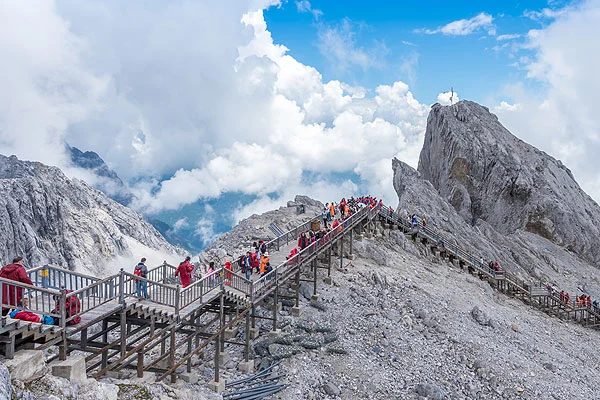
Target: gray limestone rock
column 331, row 389
column 480, row 316
column 50, row 219
column 488, row 174
column 5, row 385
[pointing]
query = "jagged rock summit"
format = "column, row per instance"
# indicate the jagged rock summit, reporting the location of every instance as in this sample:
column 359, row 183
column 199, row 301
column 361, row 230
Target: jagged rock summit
column 488, row 174
column 50, row 219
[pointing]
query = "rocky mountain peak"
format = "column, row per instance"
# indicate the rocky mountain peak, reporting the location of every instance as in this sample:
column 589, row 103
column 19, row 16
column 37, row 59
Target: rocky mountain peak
column 486, row 173
column 50, row 219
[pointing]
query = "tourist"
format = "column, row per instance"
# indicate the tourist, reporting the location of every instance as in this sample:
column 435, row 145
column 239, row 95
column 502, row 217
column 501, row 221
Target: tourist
column 255, row 261
column 264, row 260
column 303, row 241
column 184, row 271
column 210, row 273
column 228, row 274
column 12, row 295
column 141, row 285
column 247, row 265
column 325, row 216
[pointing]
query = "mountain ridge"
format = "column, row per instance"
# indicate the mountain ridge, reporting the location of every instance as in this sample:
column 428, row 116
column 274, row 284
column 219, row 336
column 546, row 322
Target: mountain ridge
column 48, row 218
column 488, row 174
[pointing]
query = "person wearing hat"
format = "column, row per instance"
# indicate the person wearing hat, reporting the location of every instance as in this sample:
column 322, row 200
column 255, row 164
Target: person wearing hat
column 184, row 270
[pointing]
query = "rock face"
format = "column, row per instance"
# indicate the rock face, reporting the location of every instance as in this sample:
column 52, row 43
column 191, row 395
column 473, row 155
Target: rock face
column 488, row 174
column 50, row 219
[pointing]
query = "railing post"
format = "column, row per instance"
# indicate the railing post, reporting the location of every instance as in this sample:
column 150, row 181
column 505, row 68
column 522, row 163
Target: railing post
column 164, row 269
column 177, row 295
column 276, row 300
column 122, row 287
column 63, row 324
column 45, row 277
column 123, row 315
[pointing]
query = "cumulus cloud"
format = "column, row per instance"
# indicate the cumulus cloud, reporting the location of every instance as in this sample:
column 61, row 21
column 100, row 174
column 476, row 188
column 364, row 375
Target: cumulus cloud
column 462, row 27
column 559, row 115
column 205, row 230
column 46, row 88
column 180, row 223
column 186, row 118
column 448, row 98
column 504, row 106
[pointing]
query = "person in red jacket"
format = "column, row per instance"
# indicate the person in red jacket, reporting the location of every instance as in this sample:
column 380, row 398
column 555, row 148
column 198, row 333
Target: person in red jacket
column 13, row 295
column 228, row 275
column 185, row 272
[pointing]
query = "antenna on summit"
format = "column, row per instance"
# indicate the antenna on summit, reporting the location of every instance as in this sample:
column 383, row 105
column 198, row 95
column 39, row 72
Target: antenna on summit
column 451, row 95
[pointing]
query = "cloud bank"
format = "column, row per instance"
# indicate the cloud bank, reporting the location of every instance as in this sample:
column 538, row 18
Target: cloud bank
column 559, row 114
column 189, row 100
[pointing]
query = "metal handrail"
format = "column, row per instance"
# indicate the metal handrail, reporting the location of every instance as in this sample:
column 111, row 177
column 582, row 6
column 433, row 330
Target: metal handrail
column 460, row 252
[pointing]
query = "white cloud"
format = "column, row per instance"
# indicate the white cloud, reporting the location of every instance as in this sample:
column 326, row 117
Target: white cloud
column 45, row 87
column 337, row 43
column 559, row 115
column 504, row 106
column 448, row 98
column 180, row 223
column 508, row 36
column 461, row 27
column 205, row 230
column 187, row 119
column 304, row 6
column 546, row 13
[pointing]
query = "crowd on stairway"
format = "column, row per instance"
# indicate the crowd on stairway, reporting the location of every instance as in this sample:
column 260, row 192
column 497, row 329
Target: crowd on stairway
column 582, row 301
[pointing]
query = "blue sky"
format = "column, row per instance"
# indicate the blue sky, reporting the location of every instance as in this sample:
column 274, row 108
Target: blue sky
column 433, row 63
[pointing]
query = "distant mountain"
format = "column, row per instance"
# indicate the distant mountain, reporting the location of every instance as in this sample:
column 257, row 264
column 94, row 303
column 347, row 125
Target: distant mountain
column 108, row 182
column 48, row 218
column 174, row 237
column 114, row 188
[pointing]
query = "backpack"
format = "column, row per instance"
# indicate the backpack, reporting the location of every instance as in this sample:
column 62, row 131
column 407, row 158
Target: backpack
column 73, row 307
column 137, row 272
